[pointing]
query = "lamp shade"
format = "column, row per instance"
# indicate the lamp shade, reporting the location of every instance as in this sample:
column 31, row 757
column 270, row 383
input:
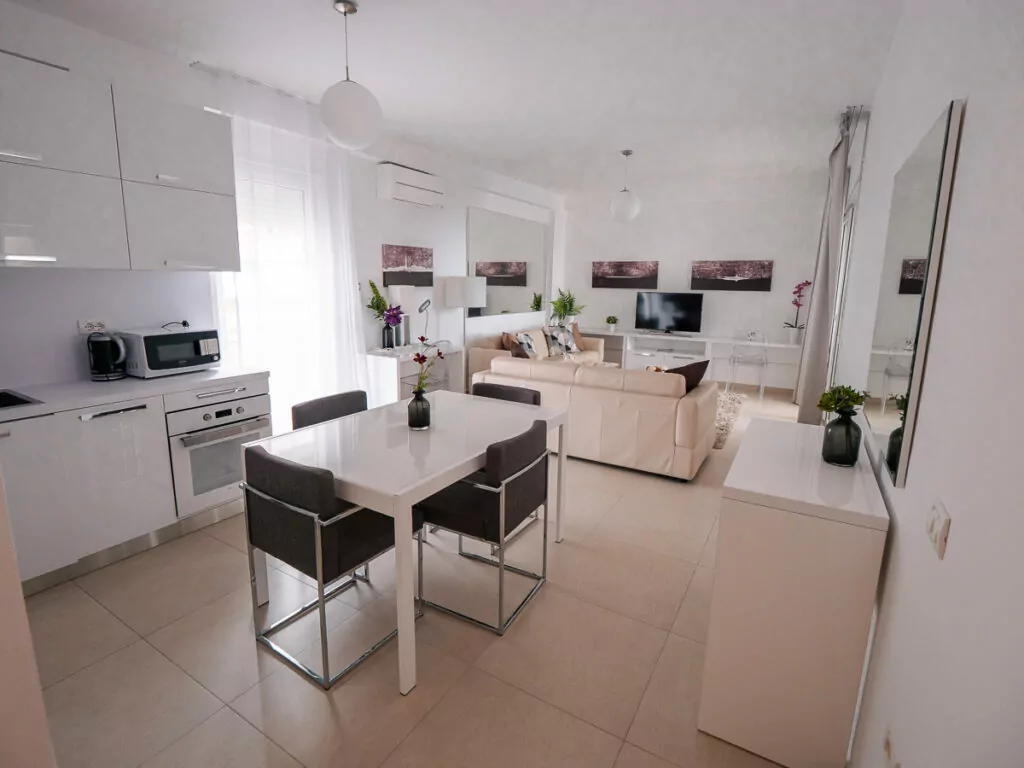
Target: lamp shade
column 625, row 205
column 465, row 292
column 351, row 114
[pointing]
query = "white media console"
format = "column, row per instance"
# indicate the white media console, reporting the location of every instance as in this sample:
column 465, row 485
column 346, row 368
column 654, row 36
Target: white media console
column 635, row 350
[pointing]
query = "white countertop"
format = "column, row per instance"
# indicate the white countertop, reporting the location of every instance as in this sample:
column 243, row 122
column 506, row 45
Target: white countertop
column 405, row 354
column 69, row 396
column 779, row 465
column 695, row 337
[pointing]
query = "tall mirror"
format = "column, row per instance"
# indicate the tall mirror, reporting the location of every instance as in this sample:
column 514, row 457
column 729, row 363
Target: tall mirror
column 510, row 253
column 910, row 280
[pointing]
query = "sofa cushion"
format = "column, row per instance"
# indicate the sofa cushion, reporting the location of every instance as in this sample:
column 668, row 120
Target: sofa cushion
column 692, row 373
column 540, row 341
column 643, row 382
column 561, row 341
column 526, row 346
column 546, row 370
column 507, row 341
column 599, row 377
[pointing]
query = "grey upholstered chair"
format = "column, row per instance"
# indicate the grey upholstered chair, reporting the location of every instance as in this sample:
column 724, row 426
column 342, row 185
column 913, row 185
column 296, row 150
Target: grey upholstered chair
column 490, row 504
column 505, row 392
column 327, row 408
column 291, row 513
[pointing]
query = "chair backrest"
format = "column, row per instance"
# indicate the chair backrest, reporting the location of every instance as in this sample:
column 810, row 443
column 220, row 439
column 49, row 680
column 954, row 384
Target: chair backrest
column 285, row 481
column 327, row 408
column 530, row 489
column 753, row 345
column 505, row 392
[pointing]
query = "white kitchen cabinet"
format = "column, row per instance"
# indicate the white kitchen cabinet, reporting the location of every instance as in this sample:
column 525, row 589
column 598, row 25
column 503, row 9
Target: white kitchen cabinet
column 173, row 145
column 180, row 229
column 120, row 468
column 54, row 218
column 41, row 503
column 54, row 119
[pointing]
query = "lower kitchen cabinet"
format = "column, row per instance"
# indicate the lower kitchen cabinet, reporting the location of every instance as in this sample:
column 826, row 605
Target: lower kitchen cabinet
column 41, row 502
column 119, row 466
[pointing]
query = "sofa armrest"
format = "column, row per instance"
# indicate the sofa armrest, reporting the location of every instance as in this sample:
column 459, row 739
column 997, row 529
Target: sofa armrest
column 593, row 344
column 696, row 414
column 480, row 358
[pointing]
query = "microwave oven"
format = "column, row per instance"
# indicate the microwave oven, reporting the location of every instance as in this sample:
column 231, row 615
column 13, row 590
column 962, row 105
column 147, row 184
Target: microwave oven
column 150, row 353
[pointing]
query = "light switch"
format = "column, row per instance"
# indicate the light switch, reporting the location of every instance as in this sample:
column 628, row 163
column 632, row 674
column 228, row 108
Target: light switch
column 938, row 528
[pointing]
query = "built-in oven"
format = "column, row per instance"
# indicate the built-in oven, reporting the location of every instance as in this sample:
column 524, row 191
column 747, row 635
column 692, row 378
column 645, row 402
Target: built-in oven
column 206, row 448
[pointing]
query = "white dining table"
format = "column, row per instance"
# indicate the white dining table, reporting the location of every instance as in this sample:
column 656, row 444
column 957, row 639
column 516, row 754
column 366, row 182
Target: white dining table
column 381, row 464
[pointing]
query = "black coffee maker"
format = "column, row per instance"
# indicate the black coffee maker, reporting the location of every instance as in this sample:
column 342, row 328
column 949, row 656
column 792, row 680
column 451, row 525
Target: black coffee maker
column 106, row 356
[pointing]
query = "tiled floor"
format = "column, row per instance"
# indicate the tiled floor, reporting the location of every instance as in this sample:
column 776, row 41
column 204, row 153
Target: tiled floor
column 151, row 661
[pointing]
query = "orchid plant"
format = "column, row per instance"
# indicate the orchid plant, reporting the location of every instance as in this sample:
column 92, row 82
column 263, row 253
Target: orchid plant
column 798, row 302
column 392, row 316
column 425, row 363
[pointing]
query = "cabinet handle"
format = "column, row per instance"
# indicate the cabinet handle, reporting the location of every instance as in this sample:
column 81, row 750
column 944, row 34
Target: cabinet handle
column 5, row 434
column 19, row 257
column 167, row 177
column 235, row 430
column 91, row 416
column 21, row 156
column 219, row 392
column 186, row 265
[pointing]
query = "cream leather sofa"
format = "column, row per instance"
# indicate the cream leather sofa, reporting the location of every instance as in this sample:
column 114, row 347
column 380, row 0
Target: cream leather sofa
column 487, row 348
column 633, row 419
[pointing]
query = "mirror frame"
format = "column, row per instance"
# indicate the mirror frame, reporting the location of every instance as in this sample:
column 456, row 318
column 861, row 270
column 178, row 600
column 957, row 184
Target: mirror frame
column 918, row 366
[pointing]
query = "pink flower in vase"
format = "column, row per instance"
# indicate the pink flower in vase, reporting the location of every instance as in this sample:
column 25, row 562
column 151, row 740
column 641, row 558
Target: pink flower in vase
column 798, row 302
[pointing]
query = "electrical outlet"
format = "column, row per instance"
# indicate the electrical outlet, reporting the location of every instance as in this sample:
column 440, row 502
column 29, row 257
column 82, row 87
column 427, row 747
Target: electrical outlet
column 937, row 527
column 91, row 326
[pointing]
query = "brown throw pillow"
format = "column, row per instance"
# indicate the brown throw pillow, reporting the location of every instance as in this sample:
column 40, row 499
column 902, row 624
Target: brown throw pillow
column 577, row 335
column 518, row 350
column 693, row 373
column 507, row 340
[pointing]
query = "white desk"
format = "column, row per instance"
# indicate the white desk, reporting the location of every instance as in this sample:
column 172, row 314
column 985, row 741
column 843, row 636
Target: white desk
column 378, row 462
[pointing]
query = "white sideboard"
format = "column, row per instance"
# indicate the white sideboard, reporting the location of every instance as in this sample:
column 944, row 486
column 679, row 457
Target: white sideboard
column 669, row 350
column 387, row 368
column 799, row 553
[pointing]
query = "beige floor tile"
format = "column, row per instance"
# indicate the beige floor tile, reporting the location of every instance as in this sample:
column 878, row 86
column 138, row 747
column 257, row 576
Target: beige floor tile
column 359, row 721
column 70, row 631
column 124, row 709
column 223, row 741
column 216, row 645
column 673, row 520
column 151, row 590
column 695, row 611
column 230, row 531
column 707, row 557
column 631, row 757
column 586, row 660
column 484, row 722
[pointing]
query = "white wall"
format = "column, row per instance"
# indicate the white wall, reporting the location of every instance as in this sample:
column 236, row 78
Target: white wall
column 947, row 673
column 716, row 216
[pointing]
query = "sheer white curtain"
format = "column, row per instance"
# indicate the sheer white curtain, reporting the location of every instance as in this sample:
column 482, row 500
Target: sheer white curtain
column 293, row 309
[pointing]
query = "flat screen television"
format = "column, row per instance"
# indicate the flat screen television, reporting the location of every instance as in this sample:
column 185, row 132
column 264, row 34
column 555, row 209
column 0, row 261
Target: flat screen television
column 669, row 312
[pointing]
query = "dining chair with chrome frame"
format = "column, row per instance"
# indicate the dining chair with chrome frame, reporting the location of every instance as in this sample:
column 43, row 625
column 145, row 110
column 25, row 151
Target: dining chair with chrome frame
column 291, row 513
column 490, row 504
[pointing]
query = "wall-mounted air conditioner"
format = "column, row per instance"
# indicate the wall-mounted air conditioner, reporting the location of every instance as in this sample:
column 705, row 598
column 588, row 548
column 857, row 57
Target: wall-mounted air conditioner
column 407, row 185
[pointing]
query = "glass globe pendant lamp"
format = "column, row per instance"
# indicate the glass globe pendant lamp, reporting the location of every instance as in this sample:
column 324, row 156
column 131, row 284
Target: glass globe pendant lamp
column 625, row 205
column 350, row 113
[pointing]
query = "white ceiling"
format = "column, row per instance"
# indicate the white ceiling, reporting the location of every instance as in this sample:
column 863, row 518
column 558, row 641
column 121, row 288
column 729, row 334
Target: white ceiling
column 550, row 90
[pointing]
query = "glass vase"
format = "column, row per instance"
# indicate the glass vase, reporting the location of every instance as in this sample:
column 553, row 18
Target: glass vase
column 387, row 337
column 841, row 444
column 892, row 452
column 419, row 411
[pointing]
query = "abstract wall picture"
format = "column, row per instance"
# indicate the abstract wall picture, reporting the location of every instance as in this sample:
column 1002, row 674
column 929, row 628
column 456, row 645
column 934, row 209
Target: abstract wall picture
column 408, row 265
column 632, row 275
column 912, row 274
column 731, row 275
column 512, row 273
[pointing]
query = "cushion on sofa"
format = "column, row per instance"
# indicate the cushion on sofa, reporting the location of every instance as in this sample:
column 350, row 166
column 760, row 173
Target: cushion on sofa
column 599, row 377
column 560, row 341
column 527, row 347
column 546, row 370
column 692, row 373
column 659, row 384
column 508, row 340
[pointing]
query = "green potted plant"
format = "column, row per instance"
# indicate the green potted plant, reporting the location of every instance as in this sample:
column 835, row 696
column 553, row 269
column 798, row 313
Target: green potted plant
column 537, row 304
column 565, row 307
column 612, row 321
column 841, row 444
column 892, row 451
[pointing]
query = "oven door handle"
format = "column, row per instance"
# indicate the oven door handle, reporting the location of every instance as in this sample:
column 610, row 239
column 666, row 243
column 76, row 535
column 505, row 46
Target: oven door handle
column 231, row 430
column 219, row 392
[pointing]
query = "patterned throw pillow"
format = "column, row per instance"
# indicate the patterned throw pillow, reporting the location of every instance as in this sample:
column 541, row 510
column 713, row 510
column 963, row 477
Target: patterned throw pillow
column 525, row 341
column 560, row 341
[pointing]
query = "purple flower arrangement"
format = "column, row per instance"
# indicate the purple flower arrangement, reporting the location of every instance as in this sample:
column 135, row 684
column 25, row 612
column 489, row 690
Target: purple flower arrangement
column 393, row 315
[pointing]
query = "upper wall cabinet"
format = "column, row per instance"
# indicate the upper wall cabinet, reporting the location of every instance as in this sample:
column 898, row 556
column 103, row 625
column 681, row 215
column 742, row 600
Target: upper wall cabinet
column 173, row 145
column 54, row 218
column 180, row 229
column 54, row 119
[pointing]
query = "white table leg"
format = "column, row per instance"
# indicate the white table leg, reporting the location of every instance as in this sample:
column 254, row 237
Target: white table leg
column 561, row 482
column 259, row 562
column 406, row 603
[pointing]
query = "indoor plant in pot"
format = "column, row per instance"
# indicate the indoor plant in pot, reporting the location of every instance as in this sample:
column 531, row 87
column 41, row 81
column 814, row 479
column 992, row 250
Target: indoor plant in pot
column 565, row 307
column 795, row 327
column 419, row 406
column 390, row 316
column 841, row 444
column 537, row 304
column 892, row 451
column 612, row 321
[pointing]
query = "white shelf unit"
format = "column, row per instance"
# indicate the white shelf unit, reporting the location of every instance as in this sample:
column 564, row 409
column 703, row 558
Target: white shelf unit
column 388, row 367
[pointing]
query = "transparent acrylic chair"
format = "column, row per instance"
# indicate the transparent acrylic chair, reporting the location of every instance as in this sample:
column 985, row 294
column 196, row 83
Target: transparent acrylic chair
column 897, row 366
column 750, row 349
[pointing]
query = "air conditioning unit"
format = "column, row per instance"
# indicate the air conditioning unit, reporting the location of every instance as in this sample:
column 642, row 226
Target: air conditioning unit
column 407, row 185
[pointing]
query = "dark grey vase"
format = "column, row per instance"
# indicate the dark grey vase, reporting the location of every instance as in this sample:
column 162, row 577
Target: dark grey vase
column 419, row 411
column 841, row 444
column 387, row 337
column 892, row 452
